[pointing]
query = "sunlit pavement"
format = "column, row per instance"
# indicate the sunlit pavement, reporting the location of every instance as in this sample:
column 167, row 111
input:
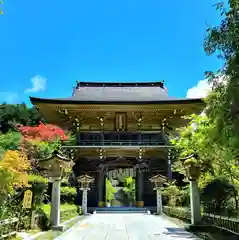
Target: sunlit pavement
column 126, row 226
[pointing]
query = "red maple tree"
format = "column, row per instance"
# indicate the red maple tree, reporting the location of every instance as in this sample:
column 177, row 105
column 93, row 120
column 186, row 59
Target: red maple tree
column 43, row 132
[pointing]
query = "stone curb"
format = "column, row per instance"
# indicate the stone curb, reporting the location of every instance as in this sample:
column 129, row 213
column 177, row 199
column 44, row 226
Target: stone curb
column 64, row 224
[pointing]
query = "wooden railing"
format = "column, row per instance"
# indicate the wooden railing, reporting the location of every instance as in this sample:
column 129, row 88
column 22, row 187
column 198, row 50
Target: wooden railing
column 120, row 138
column 231, row 224
column 9, row 227
column 119, row 143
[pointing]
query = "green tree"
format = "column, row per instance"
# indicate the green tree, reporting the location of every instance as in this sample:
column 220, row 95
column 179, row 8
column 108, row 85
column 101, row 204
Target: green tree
column 216, row 161
column 13, row 171
column 129, row 188
column 1, row 2
column 222, row 104
column 11, row 115
column 174, row 195
column 110, row 191
column 9, row 141
column 216, row 196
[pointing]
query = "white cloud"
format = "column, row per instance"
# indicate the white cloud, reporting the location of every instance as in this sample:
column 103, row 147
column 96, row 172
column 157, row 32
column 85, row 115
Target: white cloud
column 200, row 90
column 203, row 87
column 38, row 84
column 8, row 97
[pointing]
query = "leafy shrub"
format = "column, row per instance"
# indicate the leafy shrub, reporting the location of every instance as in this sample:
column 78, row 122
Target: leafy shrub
column 13, row 172
column 43, row 132
column 68, row 194
column 110, row 191
column 173, row 195
column 9, row 141
column 129, row 189
column 67, row 211
column 38, row 186
column 219, row 197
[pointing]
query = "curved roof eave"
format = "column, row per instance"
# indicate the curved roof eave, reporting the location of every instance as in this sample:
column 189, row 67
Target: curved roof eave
column 35, row 100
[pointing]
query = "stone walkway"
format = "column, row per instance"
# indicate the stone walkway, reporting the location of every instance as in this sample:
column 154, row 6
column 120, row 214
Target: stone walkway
column 126, row 226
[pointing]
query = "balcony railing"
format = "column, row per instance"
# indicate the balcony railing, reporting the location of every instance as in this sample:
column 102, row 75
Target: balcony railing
column 117, row 143
column 120, row 139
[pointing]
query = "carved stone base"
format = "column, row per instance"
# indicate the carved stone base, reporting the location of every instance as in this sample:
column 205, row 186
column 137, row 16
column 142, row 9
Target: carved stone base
column 58, row 228
column 101, row 204
column 140, row 204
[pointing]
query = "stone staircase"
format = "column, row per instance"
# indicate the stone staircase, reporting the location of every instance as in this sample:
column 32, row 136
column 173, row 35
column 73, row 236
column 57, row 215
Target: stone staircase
column 122, row 210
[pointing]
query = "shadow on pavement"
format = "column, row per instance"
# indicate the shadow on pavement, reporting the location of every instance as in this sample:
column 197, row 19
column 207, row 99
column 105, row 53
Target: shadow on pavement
column 178, row 233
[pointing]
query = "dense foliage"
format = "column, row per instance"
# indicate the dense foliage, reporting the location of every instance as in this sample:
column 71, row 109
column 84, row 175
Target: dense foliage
column 10, row 115
column 222, row 104
column 42, row 132
column 13, row 172
column 214, row 137
column 110, row 191
column 219, row 168
column 1, row 2
column 24, row 140
column 129, row 189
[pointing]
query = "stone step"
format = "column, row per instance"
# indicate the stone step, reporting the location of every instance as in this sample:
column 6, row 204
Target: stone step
column 121, row 210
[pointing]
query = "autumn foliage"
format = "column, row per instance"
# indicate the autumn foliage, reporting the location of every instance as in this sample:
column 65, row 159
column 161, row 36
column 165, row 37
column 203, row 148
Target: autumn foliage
column 42, row 132
column 13, row 171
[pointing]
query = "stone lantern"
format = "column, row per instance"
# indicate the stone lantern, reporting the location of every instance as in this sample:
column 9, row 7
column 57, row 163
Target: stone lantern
column 192, row 169
column 158, row 182
column 54, row 166
column 84, row 182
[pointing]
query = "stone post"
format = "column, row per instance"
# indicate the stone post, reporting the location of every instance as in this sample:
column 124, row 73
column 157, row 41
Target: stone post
column 195, row 203
column 54, row 166
column 159, row 202
column 158, row 181
column 192, row 168
column 55, row 202
column 84, row 182
column 84, row 201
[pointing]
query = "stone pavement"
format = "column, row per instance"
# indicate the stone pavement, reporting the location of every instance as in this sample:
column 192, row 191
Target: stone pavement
column 128, row 226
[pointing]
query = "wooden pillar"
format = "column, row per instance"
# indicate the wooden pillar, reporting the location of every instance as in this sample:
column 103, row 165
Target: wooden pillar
column 77, row 123
column 139, row 188
column 169, row 164
column 102, row 185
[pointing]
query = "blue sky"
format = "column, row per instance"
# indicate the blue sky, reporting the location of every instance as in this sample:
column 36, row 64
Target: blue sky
column 47, row 45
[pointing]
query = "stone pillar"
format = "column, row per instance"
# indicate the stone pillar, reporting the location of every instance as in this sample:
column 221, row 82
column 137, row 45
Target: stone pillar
column 195, row 203
column 102, row 186
column 84, row 182
column 55, row 202
column 139, row 188
column 169, row 164
column 54, row 166
column 84, row 201
column 159, row 202
column 158, row 182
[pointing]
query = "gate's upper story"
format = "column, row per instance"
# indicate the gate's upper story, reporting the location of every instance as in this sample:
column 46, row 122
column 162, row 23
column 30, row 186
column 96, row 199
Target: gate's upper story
column 113, row 108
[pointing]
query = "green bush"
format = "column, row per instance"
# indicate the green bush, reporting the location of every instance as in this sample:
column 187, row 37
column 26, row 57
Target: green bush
column 220, row 197
column 68, row 211
column 68, row 194
column 38, row 186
